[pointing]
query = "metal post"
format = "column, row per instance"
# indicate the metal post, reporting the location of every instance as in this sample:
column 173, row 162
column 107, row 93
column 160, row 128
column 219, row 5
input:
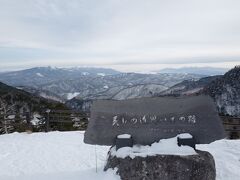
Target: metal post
column 96, row 158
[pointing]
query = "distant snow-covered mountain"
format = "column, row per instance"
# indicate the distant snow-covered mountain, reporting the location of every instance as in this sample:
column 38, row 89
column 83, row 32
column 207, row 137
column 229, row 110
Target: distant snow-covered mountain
column 84, row 85
column 78, row 87
column 208, row 71
column 123, row 86
column 188, row 87
column 90, row 83
column 38, row 76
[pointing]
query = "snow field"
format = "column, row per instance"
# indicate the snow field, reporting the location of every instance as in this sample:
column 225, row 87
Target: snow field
column 54, row 155
column 63, row 155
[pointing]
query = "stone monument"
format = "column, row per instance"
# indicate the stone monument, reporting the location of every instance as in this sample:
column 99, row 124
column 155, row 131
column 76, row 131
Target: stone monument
column 148, row 120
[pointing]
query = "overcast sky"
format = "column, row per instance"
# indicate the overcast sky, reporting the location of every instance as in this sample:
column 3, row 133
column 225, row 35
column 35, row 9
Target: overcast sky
column 129, row 35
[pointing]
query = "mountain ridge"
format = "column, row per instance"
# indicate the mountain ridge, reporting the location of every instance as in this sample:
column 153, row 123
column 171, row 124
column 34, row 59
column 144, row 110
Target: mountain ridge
column 208, row 71
column 89, row 83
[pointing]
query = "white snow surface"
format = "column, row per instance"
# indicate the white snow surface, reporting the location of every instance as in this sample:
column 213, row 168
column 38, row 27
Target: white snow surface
column 185, row 136
column 39, row 74
column 226, row 154
column 51, row 156
column 36, row 119
column 85, row 73
column 11, row 116
column 164, row 146
column 64, row 156
column 72, row 95
column 124, row 136
column 101, row 74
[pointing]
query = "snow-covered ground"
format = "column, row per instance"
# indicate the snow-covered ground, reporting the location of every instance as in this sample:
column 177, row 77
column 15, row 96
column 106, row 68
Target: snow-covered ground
column 226, row 154
column 51, row 156
column 63, row 155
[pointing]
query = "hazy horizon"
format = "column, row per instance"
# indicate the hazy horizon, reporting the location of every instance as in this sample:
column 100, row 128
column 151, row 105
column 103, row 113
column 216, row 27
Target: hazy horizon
column 127, row 70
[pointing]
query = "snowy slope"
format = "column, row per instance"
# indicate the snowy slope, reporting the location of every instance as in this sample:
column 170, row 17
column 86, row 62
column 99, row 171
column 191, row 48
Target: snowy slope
column 64, row 156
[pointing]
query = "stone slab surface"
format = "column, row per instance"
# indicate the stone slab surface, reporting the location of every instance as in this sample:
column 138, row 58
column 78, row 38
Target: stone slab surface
column 150, row 119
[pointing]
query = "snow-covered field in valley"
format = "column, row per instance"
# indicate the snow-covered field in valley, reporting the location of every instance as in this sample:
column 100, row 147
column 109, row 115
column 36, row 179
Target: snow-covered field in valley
column 64, row 156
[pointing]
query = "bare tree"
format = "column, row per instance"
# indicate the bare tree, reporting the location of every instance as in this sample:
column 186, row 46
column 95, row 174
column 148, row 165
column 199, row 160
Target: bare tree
column 4, row 109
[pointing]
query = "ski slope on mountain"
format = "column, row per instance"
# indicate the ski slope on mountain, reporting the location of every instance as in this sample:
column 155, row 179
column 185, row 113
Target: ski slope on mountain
column 63, row 155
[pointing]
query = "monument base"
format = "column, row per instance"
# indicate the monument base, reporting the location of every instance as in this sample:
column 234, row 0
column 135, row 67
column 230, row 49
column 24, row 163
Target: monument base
column 200, row 166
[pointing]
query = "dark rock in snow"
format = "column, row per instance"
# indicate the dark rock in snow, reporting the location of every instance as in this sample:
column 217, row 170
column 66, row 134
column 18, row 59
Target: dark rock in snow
column 165, row 167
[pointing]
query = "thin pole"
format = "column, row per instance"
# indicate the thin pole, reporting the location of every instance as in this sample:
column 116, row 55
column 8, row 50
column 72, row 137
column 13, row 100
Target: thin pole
column 96, row 158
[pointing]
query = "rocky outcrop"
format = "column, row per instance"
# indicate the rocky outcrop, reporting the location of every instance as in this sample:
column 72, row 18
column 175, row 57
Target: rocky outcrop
column 200, row 166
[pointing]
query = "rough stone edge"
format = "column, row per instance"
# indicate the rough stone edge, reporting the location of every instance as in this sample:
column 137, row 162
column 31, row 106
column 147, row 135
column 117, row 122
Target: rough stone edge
column 202, row 154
